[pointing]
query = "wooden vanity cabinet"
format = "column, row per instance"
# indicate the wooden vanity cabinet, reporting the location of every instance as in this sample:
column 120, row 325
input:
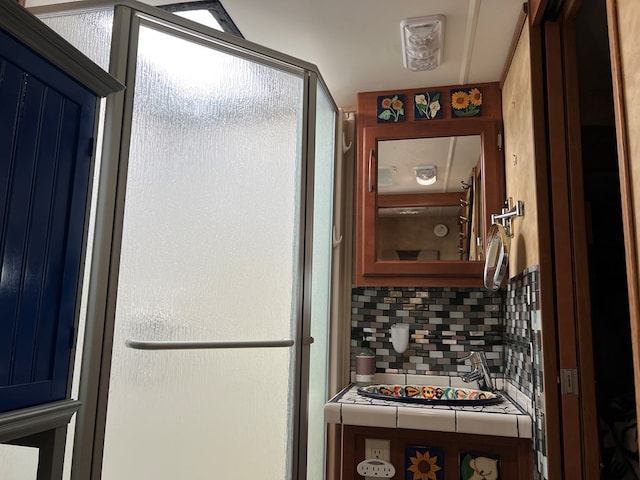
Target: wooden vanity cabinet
column 487, row 196
column 514, row 454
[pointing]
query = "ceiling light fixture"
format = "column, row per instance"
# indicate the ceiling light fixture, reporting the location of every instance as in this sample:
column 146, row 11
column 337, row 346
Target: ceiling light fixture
column 426, row 175
column 422, row 39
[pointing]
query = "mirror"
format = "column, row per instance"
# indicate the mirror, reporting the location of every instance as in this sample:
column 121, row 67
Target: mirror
column 428, row 198
column 495, row 267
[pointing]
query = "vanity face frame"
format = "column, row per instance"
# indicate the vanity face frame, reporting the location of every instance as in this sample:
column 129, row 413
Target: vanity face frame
column 373, row 271
column 516, row 459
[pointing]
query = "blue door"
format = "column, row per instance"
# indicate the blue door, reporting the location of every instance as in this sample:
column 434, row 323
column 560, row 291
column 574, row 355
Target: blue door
column 46, row 129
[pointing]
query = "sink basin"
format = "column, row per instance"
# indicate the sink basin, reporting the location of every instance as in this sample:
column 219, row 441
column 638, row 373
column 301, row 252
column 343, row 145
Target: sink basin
column 430, row 394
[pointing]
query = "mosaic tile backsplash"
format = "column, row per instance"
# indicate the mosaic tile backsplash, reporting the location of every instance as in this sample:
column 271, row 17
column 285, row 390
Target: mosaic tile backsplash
column 523, row 355
column 444, row 324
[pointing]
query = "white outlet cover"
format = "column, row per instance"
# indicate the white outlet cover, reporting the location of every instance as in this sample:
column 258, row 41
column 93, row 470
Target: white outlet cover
column 374, row 468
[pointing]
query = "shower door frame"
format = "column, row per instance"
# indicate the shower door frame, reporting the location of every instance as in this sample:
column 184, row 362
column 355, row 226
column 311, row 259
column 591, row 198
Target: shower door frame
column 103, row 276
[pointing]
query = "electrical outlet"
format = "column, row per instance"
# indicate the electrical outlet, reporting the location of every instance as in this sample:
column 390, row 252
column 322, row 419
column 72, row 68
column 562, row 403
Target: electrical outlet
column 372, row 469
column 379, row 449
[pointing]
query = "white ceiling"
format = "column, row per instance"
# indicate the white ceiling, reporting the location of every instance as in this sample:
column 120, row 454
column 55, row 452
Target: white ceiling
column 356, row 44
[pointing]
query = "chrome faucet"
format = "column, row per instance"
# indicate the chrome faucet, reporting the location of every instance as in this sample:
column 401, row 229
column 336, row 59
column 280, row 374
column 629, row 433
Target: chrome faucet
column 480, row 370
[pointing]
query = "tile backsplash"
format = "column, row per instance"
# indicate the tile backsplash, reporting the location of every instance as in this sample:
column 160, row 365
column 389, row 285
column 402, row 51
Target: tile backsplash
column 444, row 323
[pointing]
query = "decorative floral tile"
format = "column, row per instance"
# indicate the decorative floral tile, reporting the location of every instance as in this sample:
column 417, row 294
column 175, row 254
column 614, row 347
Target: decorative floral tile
column 424, row 463
column 391, row 108
column 479, row 466
column 466, row 102
column 427, row 105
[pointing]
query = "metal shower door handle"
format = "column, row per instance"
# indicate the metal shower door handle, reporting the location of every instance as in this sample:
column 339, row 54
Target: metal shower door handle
column 206, row 345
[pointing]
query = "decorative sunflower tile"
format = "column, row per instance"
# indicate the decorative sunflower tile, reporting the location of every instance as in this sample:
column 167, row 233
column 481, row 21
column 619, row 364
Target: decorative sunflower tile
column 427, row 105
column 424, row 463
column 479, row 466
column 391, row 108
column 466, row 102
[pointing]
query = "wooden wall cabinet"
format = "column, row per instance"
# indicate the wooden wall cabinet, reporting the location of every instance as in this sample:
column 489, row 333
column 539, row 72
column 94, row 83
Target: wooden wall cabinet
column 514, row 457
column 469, row 210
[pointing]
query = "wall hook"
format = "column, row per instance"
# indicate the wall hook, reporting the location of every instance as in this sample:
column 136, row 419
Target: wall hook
column 345, row 147
column 349, row 118
column 337, row 240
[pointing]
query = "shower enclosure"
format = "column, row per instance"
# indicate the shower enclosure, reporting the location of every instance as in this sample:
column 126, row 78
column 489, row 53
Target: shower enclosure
column 207, row 309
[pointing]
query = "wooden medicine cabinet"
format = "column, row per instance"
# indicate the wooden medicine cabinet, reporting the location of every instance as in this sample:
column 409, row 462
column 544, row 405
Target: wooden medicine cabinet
column 411, row 233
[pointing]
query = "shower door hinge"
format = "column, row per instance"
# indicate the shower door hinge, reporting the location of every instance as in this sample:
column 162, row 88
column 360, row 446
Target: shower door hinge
column 569, row 381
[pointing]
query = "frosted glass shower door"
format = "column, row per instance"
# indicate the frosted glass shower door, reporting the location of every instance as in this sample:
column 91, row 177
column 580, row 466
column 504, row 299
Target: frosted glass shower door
column 210, row 253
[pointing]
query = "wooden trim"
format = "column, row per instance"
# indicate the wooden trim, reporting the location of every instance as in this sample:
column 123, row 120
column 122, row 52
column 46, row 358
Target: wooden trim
column 570, row 9
column 536, row 11
column 514, row 43
column 562, row 244
column 626, row 191
column 367, row 115
column 552, row 417
column 580, row 251
column 333, row 452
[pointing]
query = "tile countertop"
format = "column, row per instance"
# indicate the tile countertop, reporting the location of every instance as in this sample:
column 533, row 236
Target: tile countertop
column 505, row 419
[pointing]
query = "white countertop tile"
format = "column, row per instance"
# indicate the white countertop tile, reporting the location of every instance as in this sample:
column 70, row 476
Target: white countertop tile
column 369, row 416
column 487, row 424
column 503, row 419
column 525, row 429
column 333, row 413
column 427, row 419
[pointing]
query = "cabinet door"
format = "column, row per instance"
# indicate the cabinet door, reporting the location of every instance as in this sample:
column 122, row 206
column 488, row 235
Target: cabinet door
column 46, row 129
column 416, row 224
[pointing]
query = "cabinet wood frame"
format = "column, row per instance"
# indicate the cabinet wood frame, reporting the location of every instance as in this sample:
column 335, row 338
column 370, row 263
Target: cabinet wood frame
column 516, row 459
column 371, row 271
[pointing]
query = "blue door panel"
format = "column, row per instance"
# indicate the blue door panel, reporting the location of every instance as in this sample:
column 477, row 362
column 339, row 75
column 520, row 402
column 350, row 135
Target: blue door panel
column 14, row 302
column 75, row 233
column 13, row 396
column 50, row 194
column 14, row 225
column 46, row 124
column 60, row 239
column 11, row 82
column 10, row 94
column 38, row 248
